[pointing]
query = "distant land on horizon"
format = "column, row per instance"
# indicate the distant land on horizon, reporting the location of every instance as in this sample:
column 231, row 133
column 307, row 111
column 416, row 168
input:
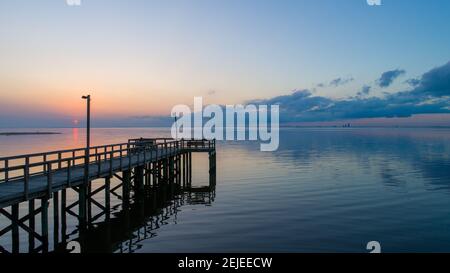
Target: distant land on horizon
column 28, row 133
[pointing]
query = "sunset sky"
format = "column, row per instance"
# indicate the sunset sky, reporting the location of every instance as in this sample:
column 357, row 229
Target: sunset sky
column 139, row 58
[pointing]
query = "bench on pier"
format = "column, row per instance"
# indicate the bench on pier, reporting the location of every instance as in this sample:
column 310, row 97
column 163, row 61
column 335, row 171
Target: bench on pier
column 139, row 144
column 196, row 143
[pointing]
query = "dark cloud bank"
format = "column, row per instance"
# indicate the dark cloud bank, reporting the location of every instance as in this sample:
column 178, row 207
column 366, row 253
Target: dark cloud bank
column 430, row 94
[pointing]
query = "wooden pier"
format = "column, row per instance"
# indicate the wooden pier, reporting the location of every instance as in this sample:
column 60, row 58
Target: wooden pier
column 141, row 166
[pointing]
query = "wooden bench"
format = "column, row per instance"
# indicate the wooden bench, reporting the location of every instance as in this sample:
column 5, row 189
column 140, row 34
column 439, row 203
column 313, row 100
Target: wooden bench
column 195, row 143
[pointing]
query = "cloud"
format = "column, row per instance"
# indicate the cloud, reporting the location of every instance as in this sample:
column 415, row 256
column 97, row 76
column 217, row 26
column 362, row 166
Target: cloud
column 413, row 82
column 388, row 77
column 435, row 82
column 336, row 82
column 365, row 90
column 340, row 81
column 430, row 96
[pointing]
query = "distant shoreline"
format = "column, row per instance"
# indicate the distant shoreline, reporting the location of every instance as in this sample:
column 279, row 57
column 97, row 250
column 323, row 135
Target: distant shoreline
column 28, row 133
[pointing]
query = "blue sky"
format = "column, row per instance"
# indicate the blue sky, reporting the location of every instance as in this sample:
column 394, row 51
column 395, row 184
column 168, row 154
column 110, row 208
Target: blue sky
column 141, row 57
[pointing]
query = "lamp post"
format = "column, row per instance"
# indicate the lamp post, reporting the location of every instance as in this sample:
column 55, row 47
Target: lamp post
column 88, row 123
column 82, row 190
column 176, row 127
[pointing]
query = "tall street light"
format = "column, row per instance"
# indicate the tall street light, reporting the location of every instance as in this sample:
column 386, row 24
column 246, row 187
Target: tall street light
column 82, row 190
column 176, row 127
column 88, row 123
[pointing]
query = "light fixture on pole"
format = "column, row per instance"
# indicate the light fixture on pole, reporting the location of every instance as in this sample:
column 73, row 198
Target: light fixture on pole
column 82, row 189
column 176, row 128
column 88, row 125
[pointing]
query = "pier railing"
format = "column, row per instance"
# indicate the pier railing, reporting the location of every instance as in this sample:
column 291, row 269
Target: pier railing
column 22, row 167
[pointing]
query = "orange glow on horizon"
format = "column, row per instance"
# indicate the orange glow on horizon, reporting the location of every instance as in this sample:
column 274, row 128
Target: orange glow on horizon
column 75, row 136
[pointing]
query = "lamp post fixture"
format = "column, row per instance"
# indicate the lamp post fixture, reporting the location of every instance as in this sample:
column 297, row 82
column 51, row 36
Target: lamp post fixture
column 82, row 190
column 88, row 123
column 176, row 127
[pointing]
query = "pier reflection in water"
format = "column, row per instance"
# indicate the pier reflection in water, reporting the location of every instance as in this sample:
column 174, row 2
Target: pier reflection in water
column 127, row 228
column 123, row 227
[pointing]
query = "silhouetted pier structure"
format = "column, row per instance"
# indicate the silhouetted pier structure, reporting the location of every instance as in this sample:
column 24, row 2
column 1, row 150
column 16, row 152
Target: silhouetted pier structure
column 155, row 165
column 126, row 231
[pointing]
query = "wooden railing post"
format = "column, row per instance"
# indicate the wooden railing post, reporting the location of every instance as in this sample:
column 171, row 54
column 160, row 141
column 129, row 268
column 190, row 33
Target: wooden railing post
column 129, row 156
column 151, row 153
column 45, row 163
column 99, row 166
column 49, row 179
column 26, row 173
column 69, row 183
column 138, row 155
column 121, row 155
column 59, row 160
column 111, row 155
column 156, row 146
column 145, row 154
column 6, row 170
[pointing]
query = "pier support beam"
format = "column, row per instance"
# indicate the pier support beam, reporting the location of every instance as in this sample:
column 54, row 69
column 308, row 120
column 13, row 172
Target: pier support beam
column 212, row 168
column 31, row 225
column 63, row 215
column 148, row 173
column 190, row 169
column 166, row 171
column 139, row 180
column 184, row 169
column 107, row 198
column 178, row 172
column 154, row 169
column 171, row 170
column 89, row 203
column 126, row 188
column 82, row 200
column 55, row 219
column 15, row 228
column 44, row 224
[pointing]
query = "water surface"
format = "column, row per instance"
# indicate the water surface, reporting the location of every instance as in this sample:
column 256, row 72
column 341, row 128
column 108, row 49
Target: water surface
column 324, row 190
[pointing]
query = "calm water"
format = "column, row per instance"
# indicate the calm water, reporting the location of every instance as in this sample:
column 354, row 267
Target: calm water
column 324, row 190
